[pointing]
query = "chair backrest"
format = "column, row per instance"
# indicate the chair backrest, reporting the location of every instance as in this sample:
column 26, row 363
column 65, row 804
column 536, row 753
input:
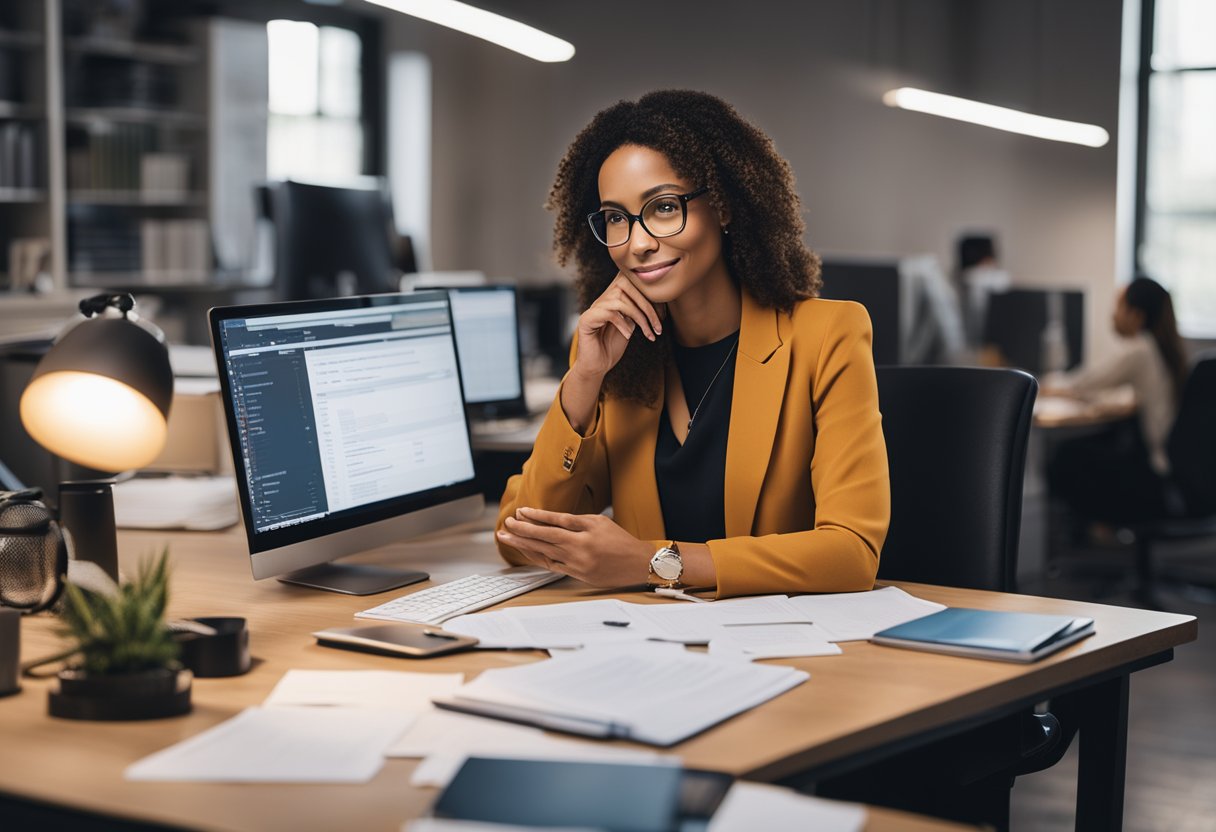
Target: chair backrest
column 956, row 443
column 1192, row 441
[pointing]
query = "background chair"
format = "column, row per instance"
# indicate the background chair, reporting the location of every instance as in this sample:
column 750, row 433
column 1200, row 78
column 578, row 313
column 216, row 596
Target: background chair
column 1192, row 452
column 956, row 445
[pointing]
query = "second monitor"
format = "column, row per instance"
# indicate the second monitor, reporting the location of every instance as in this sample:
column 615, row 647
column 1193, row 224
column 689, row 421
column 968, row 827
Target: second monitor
column 486, row 321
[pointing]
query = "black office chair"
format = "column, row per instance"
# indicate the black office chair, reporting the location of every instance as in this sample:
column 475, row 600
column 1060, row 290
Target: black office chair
column 1192, row 452
column 956, row 445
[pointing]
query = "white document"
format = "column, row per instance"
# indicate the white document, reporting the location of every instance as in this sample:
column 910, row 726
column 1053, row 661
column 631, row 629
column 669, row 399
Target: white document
column 196, row 503
column 281, row 745
column 609, row 621
column 773, row 641
column 857, row 616
column 654, row 697
column 751, row 806
column 385, row 689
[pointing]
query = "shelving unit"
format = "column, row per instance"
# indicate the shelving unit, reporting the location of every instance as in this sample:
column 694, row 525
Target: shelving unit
column 28, row 155
column 105, row 146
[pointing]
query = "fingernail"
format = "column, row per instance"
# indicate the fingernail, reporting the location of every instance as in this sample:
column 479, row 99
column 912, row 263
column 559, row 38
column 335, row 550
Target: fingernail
column 502, row 534
column 658, row 328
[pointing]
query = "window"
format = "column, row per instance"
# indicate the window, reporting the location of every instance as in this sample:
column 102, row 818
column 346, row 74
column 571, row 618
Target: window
column 315, row 129
column 1177, row 231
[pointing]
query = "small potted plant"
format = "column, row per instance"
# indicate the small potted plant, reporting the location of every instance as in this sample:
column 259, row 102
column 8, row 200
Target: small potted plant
column 126, row 665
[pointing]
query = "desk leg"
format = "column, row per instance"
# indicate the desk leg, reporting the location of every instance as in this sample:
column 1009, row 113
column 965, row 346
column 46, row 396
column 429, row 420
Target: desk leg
column 1103, row 763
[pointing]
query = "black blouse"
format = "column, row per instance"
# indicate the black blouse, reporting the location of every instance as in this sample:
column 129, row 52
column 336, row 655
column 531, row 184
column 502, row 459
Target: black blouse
column 692, row 477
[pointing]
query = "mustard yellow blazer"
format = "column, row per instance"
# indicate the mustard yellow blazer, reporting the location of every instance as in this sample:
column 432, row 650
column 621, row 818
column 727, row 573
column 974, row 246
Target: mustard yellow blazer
column 807, row 493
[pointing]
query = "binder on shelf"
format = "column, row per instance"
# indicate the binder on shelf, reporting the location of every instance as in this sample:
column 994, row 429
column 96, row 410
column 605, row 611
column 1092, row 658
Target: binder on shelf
column 988, row 634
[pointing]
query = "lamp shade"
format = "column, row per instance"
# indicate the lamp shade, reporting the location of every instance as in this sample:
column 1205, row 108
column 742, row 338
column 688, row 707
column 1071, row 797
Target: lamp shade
column 100, row 397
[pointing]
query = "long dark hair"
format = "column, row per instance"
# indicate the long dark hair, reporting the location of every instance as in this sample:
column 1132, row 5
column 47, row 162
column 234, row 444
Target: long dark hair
column 710, row 144
column 1152, row 299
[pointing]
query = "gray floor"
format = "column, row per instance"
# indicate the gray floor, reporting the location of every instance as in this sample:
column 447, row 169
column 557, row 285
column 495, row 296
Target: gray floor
column 1171, row 760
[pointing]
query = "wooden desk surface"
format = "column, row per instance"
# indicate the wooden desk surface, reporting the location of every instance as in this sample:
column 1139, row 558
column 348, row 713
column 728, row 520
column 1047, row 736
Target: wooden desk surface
column 866, row 698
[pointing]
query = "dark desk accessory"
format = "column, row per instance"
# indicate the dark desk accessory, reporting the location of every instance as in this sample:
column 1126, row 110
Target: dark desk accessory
column 213, row 647
column 10, row 651
column 408, row 641
column 100, row 398
column 611, row 796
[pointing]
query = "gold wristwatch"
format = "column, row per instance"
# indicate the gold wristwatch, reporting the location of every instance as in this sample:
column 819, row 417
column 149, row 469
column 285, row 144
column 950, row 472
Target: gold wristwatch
column 666, row 567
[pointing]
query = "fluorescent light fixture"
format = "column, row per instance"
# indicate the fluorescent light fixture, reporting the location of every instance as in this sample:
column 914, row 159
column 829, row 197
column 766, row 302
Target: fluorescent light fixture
column 508, row 33
column 1001, row 118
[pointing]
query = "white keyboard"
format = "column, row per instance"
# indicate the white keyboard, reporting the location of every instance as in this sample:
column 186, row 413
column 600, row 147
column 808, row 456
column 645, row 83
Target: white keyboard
column 437, row 604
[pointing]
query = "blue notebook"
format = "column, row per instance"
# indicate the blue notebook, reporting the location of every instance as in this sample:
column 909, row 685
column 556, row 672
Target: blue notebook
column 988, row 634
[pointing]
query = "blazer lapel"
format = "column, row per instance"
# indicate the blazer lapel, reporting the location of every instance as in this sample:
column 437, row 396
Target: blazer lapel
column 760, row 375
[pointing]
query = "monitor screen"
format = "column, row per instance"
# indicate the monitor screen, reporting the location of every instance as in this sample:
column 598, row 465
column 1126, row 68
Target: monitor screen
column 344, row 415
column 332, row 241
column 487, row 341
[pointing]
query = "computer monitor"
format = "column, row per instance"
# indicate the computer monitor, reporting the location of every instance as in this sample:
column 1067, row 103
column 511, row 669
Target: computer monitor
column 914, row 311
column 332, row 241
column 1016, row 326
column 486, row 319
column 347, row 429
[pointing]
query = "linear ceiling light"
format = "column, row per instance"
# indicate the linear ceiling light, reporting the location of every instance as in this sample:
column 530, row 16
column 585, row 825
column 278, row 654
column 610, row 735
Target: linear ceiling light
column 508, row 33
column 1002, row 118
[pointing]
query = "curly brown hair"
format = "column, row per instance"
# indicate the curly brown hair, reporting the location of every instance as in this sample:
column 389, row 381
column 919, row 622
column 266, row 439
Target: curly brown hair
column 708, row 143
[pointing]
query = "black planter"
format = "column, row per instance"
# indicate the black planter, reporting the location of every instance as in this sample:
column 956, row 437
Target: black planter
column 148, row 694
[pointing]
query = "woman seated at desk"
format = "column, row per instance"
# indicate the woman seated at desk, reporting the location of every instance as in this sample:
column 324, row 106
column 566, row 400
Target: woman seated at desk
column 1119, row 475
column 728, row 415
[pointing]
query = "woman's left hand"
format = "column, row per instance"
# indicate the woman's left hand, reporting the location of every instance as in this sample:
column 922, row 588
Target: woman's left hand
column 589, row 547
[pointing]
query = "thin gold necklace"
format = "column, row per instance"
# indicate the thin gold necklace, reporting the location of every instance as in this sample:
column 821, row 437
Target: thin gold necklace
column 693, row 417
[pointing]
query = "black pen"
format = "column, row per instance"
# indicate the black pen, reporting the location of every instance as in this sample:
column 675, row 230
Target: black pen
column 616, row 623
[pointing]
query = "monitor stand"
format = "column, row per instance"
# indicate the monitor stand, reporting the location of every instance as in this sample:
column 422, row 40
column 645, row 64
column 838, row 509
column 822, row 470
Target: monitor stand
column 353, row 578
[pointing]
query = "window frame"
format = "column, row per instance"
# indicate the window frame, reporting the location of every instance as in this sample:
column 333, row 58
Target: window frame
column 1144, row 76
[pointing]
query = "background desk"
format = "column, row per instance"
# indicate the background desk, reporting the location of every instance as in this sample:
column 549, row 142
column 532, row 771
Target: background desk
column 858, row 707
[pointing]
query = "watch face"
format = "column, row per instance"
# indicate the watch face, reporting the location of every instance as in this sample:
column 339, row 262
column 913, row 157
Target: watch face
column 668, row 566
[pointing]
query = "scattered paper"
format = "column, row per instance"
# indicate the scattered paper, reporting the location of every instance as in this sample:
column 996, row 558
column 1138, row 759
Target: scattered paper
column 447, row 739
column 751, row 806
column 610, row 621
column 857, row 616
column 773, row 641
column 281, row 745
column 386, row 689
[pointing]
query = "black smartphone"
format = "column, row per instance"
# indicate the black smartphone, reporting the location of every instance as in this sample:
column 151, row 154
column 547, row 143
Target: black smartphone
column 411, row 641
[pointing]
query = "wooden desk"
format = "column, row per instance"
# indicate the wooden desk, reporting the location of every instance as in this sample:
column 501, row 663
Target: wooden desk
column 858, row 707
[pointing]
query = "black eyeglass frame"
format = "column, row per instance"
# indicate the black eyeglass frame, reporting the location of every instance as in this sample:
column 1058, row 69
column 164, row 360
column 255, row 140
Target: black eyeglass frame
column 684, row 200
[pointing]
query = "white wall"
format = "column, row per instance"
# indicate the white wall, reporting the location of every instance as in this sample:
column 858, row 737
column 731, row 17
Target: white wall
column 810, row 73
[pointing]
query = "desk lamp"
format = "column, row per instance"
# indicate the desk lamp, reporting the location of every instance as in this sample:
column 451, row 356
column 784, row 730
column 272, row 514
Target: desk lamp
column 100, row 398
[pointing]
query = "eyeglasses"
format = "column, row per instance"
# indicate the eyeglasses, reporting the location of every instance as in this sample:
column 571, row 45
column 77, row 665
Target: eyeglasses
column 663, row 216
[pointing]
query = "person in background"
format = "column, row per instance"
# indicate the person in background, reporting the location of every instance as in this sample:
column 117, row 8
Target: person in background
column 727, row 415
column 979, row 274
column 1119, row 476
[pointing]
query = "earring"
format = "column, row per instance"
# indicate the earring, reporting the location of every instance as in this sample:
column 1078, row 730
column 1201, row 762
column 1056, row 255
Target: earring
column 725, row 229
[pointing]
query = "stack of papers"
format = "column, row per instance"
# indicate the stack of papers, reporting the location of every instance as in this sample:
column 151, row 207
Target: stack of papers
column 650, row 696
